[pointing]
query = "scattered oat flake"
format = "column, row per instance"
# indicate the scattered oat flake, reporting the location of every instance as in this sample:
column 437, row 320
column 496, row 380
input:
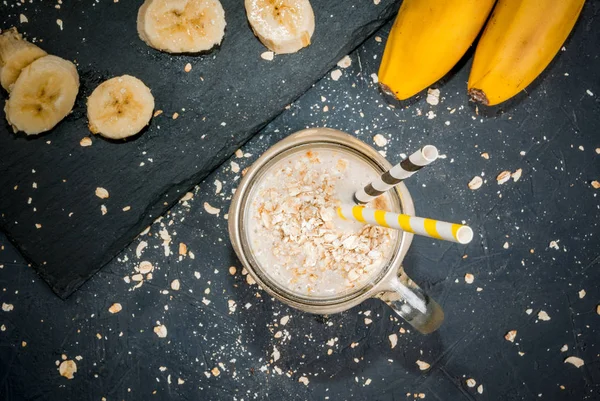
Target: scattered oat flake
column 175, row 115
column 103, row 209
column 595, row 184
column 471, row 382
column 7, row 307
column 180, row 381
column 517, row 174
column 161, row 331
column 510, row 336
column 433, row 97
column 374, row 78
column 186, row 197
column 380, row 140
column 554, row 245
column 469, row 278
column 175, row 285
column 378, row 39
column 368, row 321
column 232, row 270
column 480, row 389
column 126, row 208
column 267, row 55
column 85, row 141
column 503, row 177
column 59, row 23
column 218, row 186
column 304, row 380
column 23, row 19
column 393, row 340
column 188, row 67
column 430, row 115
column 423, row 365
column 575, row 361
column 598, row 309
column 115, row 308
column 38, row 225
column 182, row 249
column 145, row 267
column 284, row 320
column 345, row 62
column 67, row 369
column 210, row 209
column 235, row 167
column 506, row 245
column 564, row 348
column 376, row 2
column 231, row 304
column 140, row 249
column 542, row 315
column 215, row 371
column 485, row 155
column 336, row 74
column 589, row 92
column 581, row 294
column 475, row 183
column 529, row 311
column 101, row 193
column 158, row 113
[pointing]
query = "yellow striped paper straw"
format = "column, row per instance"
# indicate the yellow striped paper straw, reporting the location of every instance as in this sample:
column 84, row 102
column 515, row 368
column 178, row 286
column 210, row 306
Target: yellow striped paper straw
column 412, row 224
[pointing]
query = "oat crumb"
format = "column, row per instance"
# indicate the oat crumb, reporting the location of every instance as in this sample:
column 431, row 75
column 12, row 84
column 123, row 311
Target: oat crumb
column 336, row 74
column 268, row 55
column 575, row 361
column 67, row 369
column 188, row 67
column 471, row 382
column 542, row 315
column 469, row 278
column 423, row 365
column 510, row 336
column 115, row 308
column 101, row 193
column 475, row 183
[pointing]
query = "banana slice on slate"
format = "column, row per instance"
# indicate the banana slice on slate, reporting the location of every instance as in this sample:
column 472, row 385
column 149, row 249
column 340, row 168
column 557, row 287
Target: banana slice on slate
column 181, row 26
column 119, row 107
column 284, row 26
column 15, row 54
column 43, row 95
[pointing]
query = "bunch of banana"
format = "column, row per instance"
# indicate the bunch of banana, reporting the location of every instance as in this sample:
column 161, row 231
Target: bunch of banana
column 428, row 38
column 119, row 107
column 42, row 88
column 283, row 26
column 181, row 26
column 518, row 43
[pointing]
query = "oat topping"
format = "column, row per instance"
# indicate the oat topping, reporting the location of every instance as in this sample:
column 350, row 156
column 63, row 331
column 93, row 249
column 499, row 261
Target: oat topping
column 475, row 183
column 423, row 365
column 115, row 308
column 295, row 211
column 67, row 369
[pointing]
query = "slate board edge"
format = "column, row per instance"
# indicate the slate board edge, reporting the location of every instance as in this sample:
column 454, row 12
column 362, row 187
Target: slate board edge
column 158, row 208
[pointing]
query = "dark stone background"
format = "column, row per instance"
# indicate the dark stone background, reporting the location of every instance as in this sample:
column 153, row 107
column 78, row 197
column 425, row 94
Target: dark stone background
column 555, row 124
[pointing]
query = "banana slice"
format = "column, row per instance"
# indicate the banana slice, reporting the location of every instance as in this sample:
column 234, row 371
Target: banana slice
column 181, row 26
column 119, row 107
column 15, row 54
column 43, row 95
column 284, row 26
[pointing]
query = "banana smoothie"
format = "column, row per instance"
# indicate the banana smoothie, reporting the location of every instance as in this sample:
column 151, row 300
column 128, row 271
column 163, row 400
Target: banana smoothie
column 296, row 236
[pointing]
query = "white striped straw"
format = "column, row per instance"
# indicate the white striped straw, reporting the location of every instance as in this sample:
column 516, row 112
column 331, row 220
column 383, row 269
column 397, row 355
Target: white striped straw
column 412, row 224
column 397, row 174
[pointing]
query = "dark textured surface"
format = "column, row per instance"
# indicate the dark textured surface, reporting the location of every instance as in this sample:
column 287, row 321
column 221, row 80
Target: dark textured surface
column 229, row 94
column 556, row 126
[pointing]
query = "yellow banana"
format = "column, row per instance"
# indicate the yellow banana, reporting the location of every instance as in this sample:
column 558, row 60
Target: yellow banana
column 428, row 38
column 519, row 41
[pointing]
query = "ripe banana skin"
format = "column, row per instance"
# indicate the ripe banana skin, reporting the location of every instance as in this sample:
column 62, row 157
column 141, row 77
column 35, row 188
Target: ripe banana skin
column 428, row 38
column 518, row 43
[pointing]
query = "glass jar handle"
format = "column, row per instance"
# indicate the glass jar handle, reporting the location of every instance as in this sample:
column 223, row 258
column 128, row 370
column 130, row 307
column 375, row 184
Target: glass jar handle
column 409, row 301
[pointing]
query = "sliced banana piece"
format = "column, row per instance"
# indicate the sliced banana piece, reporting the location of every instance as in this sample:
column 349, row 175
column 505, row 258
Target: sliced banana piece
column 181, row 26
column 15, row 54
column 43, row 95
column 119, row 107
column 284, row 26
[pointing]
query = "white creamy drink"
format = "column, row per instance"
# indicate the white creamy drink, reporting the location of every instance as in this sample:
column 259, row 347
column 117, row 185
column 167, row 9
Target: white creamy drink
column 296, row 236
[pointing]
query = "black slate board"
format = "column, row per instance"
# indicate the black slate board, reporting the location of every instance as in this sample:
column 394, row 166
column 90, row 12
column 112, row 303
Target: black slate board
column 229, row 95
